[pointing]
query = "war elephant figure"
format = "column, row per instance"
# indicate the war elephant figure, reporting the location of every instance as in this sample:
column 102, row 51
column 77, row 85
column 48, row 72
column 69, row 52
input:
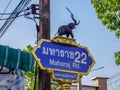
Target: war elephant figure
column 67, row 29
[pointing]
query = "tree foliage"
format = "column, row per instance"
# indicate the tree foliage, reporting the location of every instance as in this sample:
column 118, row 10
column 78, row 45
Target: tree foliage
column 29, row 77
column 117, row 57
column 55, row 86
column 108, row 11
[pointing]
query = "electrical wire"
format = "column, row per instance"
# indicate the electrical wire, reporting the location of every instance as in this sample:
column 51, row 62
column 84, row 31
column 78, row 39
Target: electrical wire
column 22, row 4
column 6, row 8
column 114, row 85
column 114, row 76
column 26, row 15
column 11, row 17
column 113, row 81
column 10, row 20
column 17, row 9
column 31, row 19
column 12, row 13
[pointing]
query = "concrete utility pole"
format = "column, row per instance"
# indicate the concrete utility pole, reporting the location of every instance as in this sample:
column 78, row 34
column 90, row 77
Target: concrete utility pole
column 44, row 77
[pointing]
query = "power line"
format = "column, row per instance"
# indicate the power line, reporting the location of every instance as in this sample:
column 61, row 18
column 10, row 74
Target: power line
column 115, row 81
column 11, row 17
column 22, row 4
column 12, row 13
column 25, row 15
column 114, row 84
column 16, row 13
column 114, row 76
column 6, row 8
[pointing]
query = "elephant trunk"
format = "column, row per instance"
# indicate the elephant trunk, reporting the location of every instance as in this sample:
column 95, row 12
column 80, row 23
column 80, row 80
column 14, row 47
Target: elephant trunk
column 78, row 22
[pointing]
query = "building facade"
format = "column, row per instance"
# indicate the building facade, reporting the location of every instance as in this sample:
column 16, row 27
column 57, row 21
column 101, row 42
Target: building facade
column 100, row 83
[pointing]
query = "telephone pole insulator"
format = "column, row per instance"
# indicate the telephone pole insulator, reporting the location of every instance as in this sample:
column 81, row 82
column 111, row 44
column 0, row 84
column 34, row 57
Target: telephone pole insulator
column 34, row 8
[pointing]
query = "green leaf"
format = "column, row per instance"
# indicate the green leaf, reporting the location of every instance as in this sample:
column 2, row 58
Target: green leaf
column 108, row 11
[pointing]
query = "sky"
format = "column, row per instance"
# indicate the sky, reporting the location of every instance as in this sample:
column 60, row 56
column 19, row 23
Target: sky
column 90, row 33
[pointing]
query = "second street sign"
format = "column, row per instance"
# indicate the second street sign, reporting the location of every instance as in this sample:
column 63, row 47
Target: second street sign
column 50, row 55
column 65, row 75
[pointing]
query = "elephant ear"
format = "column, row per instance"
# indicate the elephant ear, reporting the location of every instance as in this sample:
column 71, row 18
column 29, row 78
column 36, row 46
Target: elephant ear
column 71, row 25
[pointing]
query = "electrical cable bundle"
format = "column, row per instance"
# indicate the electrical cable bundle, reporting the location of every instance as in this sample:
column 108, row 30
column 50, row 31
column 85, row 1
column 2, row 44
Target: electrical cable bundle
column 13, row 16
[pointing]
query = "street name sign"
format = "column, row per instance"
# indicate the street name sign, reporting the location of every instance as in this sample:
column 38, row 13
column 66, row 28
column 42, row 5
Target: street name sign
column 65, row 75
column 64, row 58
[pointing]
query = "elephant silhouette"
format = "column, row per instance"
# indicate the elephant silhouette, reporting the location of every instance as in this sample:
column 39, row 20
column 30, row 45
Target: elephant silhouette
column 67, row 29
